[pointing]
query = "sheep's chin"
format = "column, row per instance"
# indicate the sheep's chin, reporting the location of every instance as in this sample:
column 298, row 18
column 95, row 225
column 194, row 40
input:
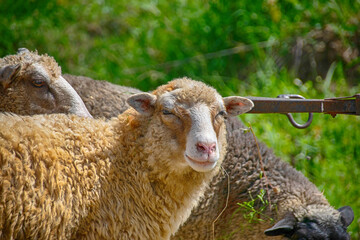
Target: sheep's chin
column 200, row 166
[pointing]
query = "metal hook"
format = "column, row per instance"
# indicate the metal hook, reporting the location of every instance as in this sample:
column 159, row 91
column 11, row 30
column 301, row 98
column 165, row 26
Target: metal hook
column 289, row 115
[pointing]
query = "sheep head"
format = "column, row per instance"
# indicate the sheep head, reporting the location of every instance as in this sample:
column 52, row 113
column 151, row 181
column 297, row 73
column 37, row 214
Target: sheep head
column 189, row 120
column 32, row 84
column 325, row 224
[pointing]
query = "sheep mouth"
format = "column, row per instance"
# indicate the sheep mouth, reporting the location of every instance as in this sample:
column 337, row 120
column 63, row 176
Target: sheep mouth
column 200, row 166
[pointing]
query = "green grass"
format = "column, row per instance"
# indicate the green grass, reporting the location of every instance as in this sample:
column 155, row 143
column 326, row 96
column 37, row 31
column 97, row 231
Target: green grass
column 127, row 42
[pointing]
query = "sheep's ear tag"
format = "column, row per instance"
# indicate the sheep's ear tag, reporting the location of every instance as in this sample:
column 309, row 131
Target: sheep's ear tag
column 347, row 215
column 144, row 103
column 8, row 73
column 237, row 105
column 284, row 226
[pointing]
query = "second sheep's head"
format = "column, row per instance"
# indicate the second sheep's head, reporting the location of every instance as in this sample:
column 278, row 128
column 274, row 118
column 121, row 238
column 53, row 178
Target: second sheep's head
column 32, row 84
column 189, row 117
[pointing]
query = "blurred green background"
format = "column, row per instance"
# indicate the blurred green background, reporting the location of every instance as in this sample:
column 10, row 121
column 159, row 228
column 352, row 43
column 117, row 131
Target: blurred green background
column 244, row 47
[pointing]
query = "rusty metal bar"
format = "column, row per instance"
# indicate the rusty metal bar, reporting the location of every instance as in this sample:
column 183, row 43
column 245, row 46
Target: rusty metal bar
column 333, row 106
column 290, row 103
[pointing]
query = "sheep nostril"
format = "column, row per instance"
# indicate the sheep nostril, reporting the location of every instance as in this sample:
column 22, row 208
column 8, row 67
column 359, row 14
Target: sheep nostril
column 201, row 147
column 208, row 148
column 212, row 148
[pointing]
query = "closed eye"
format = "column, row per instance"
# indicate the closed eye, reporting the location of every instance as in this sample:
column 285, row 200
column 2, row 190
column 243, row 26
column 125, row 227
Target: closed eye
column 166, row 112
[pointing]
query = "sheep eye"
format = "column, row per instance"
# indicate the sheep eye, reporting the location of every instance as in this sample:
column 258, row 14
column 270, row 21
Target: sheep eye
column 222, row 113
column 166, row 112
column 38, row 83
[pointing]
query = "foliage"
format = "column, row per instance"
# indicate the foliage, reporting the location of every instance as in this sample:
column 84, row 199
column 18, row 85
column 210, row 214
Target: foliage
column 253, row 213
column 146, row 43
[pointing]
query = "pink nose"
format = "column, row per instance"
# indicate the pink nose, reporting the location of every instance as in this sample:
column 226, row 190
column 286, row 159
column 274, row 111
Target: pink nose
column 207, row 148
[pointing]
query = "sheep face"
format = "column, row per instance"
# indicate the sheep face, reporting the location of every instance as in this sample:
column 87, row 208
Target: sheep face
column 322, row 225
column 36, row 82
column 196, row 126
column 190, row 117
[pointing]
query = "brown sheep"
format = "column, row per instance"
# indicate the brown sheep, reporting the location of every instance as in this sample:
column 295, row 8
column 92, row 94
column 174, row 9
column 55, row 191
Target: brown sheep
column 132, row 177
column 32, row 83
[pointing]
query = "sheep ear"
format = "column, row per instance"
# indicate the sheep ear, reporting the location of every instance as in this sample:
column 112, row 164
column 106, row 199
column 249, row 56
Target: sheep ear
column 8, row 73
column 347, row 215
column 284, row 226
column 144, row 103
column 237, row 105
